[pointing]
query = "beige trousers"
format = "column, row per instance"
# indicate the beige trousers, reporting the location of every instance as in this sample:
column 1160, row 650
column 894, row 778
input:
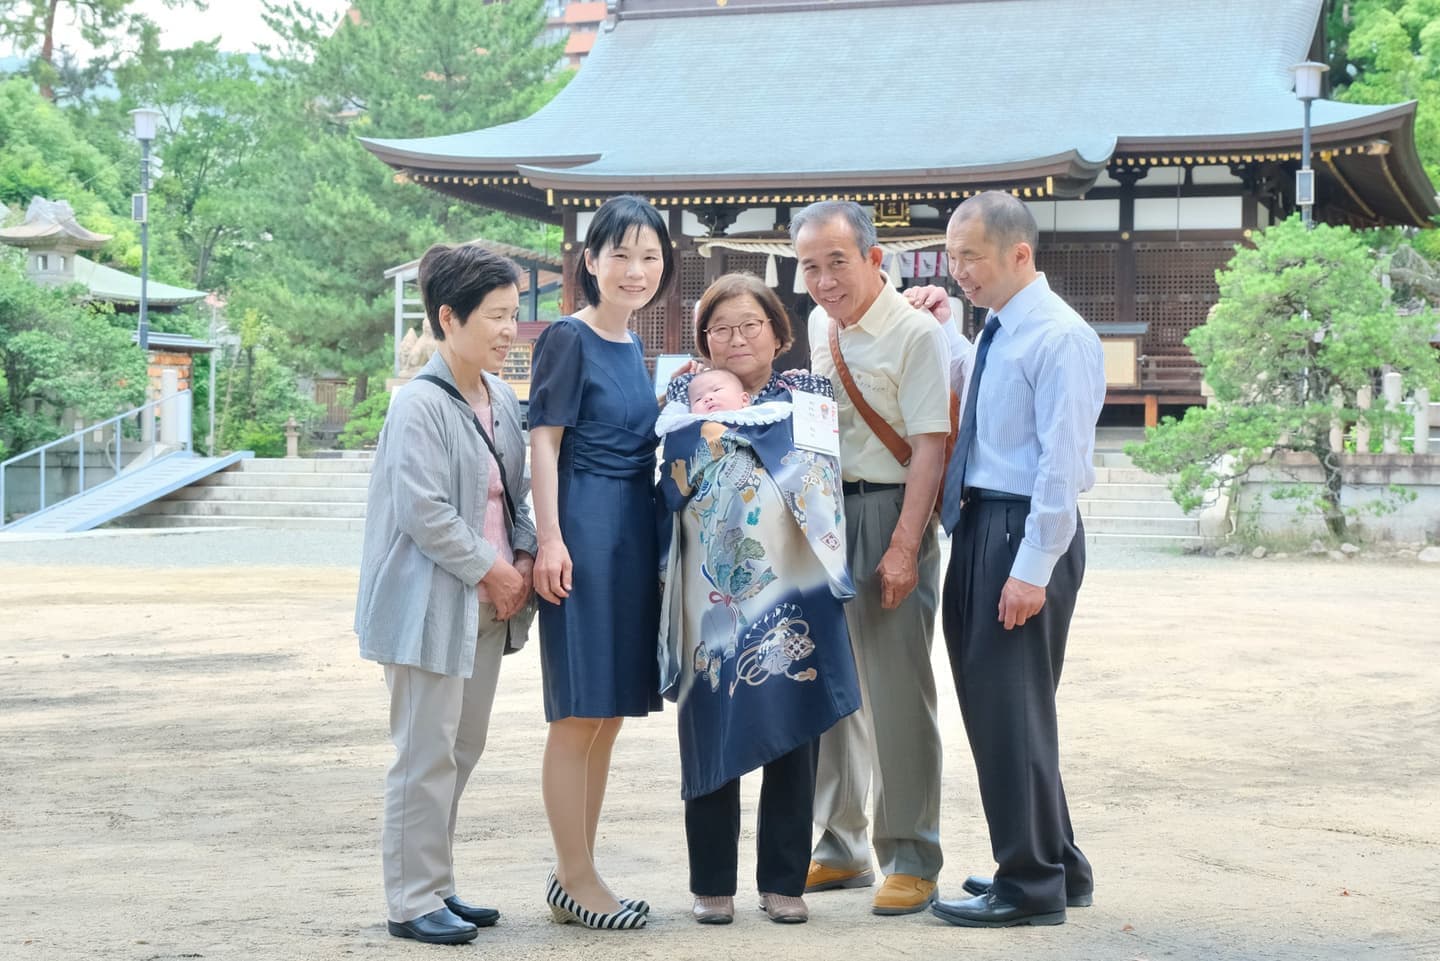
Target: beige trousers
column 438, row 724
column 894, row 739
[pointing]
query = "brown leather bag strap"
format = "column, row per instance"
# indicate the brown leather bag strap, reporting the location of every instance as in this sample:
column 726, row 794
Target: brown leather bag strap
column 899, row 448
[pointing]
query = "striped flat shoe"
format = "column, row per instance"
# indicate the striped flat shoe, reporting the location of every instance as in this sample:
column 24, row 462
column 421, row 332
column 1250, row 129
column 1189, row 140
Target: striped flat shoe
column 564, row 910
column 636, row 905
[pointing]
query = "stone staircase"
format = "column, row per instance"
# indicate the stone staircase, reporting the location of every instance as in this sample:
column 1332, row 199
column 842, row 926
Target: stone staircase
column 1127, row 507
column 310, row 493
column 1130, row 508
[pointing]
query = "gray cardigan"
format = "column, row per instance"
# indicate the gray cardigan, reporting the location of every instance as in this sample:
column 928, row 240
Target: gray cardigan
column 424, row 551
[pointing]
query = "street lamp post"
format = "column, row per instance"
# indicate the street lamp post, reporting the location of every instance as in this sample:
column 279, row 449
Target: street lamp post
column 1307, row 89
column 146, row 120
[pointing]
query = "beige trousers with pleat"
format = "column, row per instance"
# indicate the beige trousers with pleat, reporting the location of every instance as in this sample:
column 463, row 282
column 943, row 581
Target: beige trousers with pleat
column 438, row 724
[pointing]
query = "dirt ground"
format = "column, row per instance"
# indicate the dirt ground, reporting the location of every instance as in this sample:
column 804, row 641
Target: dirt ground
column 191, row 765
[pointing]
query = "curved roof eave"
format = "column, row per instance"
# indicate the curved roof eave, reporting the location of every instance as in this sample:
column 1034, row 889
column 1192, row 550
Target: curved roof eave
column 396, row 154
column 1070, row 166
column 1387, row 120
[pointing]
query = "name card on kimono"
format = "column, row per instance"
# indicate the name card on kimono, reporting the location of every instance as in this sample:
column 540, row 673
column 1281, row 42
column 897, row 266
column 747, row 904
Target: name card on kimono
column 817, row 423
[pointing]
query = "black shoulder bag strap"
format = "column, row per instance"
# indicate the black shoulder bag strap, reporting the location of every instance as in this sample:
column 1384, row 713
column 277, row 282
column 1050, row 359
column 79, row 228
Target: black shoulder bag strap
column 453, row 391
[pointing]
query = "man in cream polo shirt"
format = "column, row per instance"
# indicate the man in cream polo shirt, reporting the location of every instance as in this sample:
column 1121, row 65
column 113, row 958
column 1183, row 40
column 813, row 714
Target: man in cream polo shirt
column 898, row 358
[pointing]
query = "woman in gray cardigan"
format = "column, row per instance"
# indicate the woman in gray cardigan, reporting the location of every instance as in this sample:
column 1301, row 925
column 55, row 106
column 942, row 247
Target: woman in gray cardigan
column 449, row 545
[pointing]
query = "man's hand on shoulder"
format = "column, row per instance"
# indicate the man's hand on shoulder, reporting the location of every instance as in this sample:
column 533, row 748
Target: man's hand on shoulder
column 931, row 298
column 1019, row 602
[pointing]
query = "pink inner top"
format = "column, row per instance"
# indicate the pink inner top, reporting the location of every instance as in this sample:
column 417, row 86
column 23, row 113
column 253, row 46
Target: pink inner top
column 494, row 528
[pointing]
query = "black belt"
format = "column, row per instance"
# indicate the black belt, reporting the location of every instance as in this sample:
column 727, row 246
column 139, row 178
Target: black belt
column 867, row 487
column 986, row 494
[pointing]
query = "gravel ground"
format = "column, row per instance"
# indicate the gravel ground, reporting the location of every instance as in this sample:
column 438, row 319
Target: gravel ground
column 192, row 760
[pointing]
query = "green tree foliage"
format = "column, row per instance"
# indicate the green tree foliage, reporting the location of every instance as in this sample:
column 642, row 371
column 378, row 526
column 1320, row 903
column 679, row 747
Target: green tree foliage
column 41, row 154
column 105, row 25
column 268, row 195
column 1302, row 319
column 1388, row 51
column 213, row 119
column 257, row 395
column 57, row 354
column 335, row 217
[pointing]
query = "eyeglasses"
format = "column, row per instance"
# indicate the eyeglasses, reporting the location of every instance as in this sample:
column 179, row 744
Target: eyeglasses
column 725, row 332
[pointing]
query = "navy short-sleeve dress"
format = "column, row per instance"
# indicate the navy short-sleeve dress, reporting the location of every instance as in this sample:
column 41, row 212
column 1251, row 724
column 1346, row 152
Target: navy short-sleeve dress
column 597, row 647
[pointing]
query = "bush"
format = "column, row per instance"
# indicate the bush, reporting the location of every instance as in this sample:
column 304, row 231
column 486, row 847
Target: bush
column 366, row 419
column 264, row 441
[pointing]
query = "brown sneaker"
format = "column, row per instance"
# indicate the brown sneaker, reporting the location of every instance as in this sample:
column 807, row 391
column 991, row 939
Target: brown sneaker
column 822, row 878
column 903, row 894
column 713, row 909
column 784, row 908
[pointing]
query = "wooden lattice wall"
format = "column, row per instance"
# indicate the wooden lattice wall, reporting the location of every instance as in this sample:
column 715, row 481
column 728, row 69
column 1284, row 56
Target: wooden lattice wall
column 1175, row 289
column 1084, row 274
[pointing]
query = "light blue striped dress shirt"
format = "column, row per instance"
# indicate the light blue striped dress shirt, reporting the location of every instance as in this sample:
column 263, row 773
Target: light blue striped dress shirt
column 1040, row 396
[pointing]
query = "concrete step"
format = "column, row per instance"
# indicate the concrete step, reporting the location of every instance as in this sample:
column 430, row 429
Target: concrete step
column 306, row 465
column 1105, row 507
column 1149, row 541
column 297, row 509
column 327, row 481
column 1126, row 475
column 1112, row 458
column 267, row 492
column 1171, row 526
column 1129, row 492
column 271, row 523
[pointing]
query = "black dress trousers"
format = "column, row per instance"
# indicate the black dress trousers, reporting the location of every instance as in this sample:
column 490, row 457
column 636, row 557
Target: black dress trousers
column 1006, row 682
column 712, row 829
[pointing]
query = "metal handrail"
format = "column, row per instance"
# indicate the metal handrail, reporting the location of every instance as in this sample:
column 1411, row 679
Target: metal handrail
column 148, row 426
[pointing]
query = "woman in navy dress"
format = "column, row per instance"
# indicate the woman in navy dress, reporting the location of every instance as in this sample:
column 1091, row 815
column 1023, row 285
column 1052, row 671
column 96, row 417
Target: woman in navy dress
column 592, row 441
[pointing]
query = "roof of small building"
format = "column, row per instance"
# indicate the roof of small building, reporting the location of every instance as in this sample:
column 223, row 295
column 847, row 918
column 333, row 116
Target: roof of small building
column 51, row 223
column 680, row 96
column 118, row 287
column 523, row 256
column 586, row 13
column 176, row 343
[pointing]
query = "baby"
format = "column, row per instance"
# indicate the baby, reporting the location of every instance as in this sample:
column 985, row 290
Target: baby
column 717, row 389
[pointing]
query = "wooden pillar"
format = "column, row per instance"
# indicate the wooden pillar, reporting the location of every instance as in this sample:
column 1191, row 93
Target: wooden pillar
column 674, row 302
column 1125, row 273
column 1152, row 410
column 570, row 259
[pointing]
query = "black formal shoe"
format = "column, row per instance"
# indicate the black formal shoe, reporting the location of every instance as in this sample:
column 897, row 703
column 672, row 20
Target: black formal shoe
column 437, row 927
column 480, row 917
column 988, row 911
column 977, row 885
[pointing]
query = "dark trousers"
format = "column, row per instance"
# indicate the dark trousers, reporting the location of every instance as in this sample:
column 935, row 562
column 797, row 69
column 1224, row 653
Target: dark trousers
column 1006, row 681
column 712, row 829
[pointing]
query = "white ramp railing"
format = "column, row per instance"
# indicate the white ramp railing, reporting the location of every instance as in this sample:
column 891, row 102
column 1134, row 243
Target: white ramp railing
column 162, row 426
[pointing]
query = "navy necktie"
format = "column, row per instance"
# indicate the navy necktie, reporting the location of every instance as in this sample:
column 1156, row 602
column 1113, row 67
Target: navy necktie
column 955, row 472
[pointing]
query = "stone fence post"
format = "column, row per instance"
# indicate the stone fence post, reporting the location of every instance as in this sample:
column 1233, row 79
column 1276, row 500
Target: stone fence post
column 1390, row 388
column 1421, row 410
column 1363, row 398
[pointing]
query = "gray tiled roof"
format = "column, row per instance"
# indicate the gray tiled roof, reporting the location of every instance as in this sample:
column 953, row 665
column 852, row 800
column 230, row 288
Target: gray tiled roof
column 956, row 89
column 116, row 286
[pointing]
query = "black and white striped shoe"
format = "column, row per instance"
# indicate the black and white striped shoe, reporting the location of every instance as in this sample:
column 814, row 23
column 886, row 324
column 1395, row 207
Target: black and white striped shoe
column 635, row 904
column 565, row 909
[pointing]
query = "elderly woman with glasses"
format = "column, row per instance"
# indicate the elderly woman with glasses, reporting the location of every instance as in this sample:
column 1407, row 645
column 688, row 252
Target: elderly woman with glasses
column 754, row 646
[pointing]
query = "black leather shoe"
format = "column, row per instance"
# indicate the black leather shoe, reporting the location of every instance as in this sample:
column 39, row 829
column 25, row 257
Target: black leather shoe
column 437, row 927
column 988, row 911
column 480, row 917
column 975, row 884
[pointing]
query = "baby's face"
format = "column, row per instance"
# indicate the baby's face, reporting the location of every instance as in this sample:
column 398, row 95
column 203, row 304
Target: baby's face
column 713, row 390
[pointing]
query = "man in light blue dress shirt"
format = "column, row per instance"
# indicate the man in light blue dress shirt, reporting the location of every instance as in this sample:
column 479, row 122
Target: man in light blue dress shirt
column 1023, row 456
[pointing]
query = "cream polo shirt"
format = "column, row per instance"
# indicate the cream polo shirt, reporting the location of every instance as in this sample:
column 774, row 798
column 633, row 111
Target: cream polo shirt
column 900, row 360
